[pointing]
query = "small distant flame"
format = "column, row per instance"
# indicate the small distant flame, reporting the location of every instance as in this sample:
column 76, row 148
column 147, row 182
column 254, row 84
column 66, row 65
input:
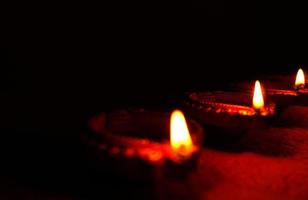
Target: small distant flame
column 180, row 139
column 258, row 102
column 300, row 79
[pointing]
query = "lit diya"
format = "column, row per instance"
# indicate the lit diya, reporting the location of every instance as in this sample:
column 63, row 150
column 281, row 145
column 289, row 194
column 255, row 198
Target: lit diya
column 140, row 144
column 282, row 90
column 292, row 95
column 227, row 115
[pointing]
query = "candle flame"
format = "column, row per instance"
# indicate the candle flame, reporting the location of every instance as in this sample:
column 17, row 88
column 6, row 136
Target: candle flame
column 300, row 79
column 180, row 139
column 258, row 102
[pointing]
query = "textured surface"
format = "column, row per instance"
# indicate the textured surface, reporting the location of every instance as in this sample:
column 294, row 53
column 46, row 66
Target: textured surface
column 269, row 164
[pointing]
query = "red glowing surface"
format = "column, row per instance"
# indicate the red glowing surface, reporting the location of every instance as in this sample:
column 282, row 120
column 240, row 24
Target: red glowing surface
column 252, row 176
column 272, row 164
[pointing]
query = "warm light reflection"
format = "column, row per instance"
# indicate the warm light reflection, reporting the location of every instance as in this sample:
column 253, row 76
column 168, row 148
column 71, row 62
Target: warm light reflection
column 180, row 139
column 300, row 79
column 258, row 102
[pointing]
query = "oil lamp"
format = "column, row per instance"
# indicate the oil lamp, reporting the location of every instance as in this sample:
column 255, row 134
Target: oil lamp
column 296, row 95
column 283, row 90
column 230, row 114
column 142, row 145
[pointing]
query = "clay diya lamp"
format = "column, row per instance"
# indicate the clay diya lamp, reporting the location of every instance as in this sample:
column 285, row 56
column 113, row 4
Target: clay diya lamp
column 228, row 115
column 292, row 95
column 142, row 145
column 283, row 90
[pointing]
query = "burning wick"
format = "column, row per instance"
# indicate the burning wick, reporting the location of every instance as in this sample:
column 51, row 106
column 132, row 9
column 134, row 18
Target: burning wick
column 180, row 140
column 300, row 80
column 258, row 102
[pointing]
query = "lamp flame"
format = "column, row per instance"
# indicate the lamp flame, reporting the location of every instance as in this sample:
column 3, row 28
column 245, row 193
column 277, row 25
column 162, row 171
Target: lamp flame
column 258, row 102
column 300, row 79
column 180, row 140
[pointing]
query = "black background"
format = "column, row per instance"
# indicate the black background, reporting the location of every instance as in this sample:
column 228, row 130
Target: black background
column 83, row 50
column 61, row 63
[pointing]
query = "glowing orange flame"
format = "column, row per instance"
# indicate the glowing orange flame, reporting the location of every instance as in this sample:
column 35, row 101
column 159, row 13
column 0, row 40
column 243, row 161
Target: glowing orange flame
column 300, row 79
column 258, row 102
column 180, row 139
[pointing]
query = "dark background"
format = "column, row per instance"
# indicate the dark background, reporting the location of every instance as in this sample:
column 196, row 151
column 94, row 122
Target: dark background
column 61, row 63
column 74, row 51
